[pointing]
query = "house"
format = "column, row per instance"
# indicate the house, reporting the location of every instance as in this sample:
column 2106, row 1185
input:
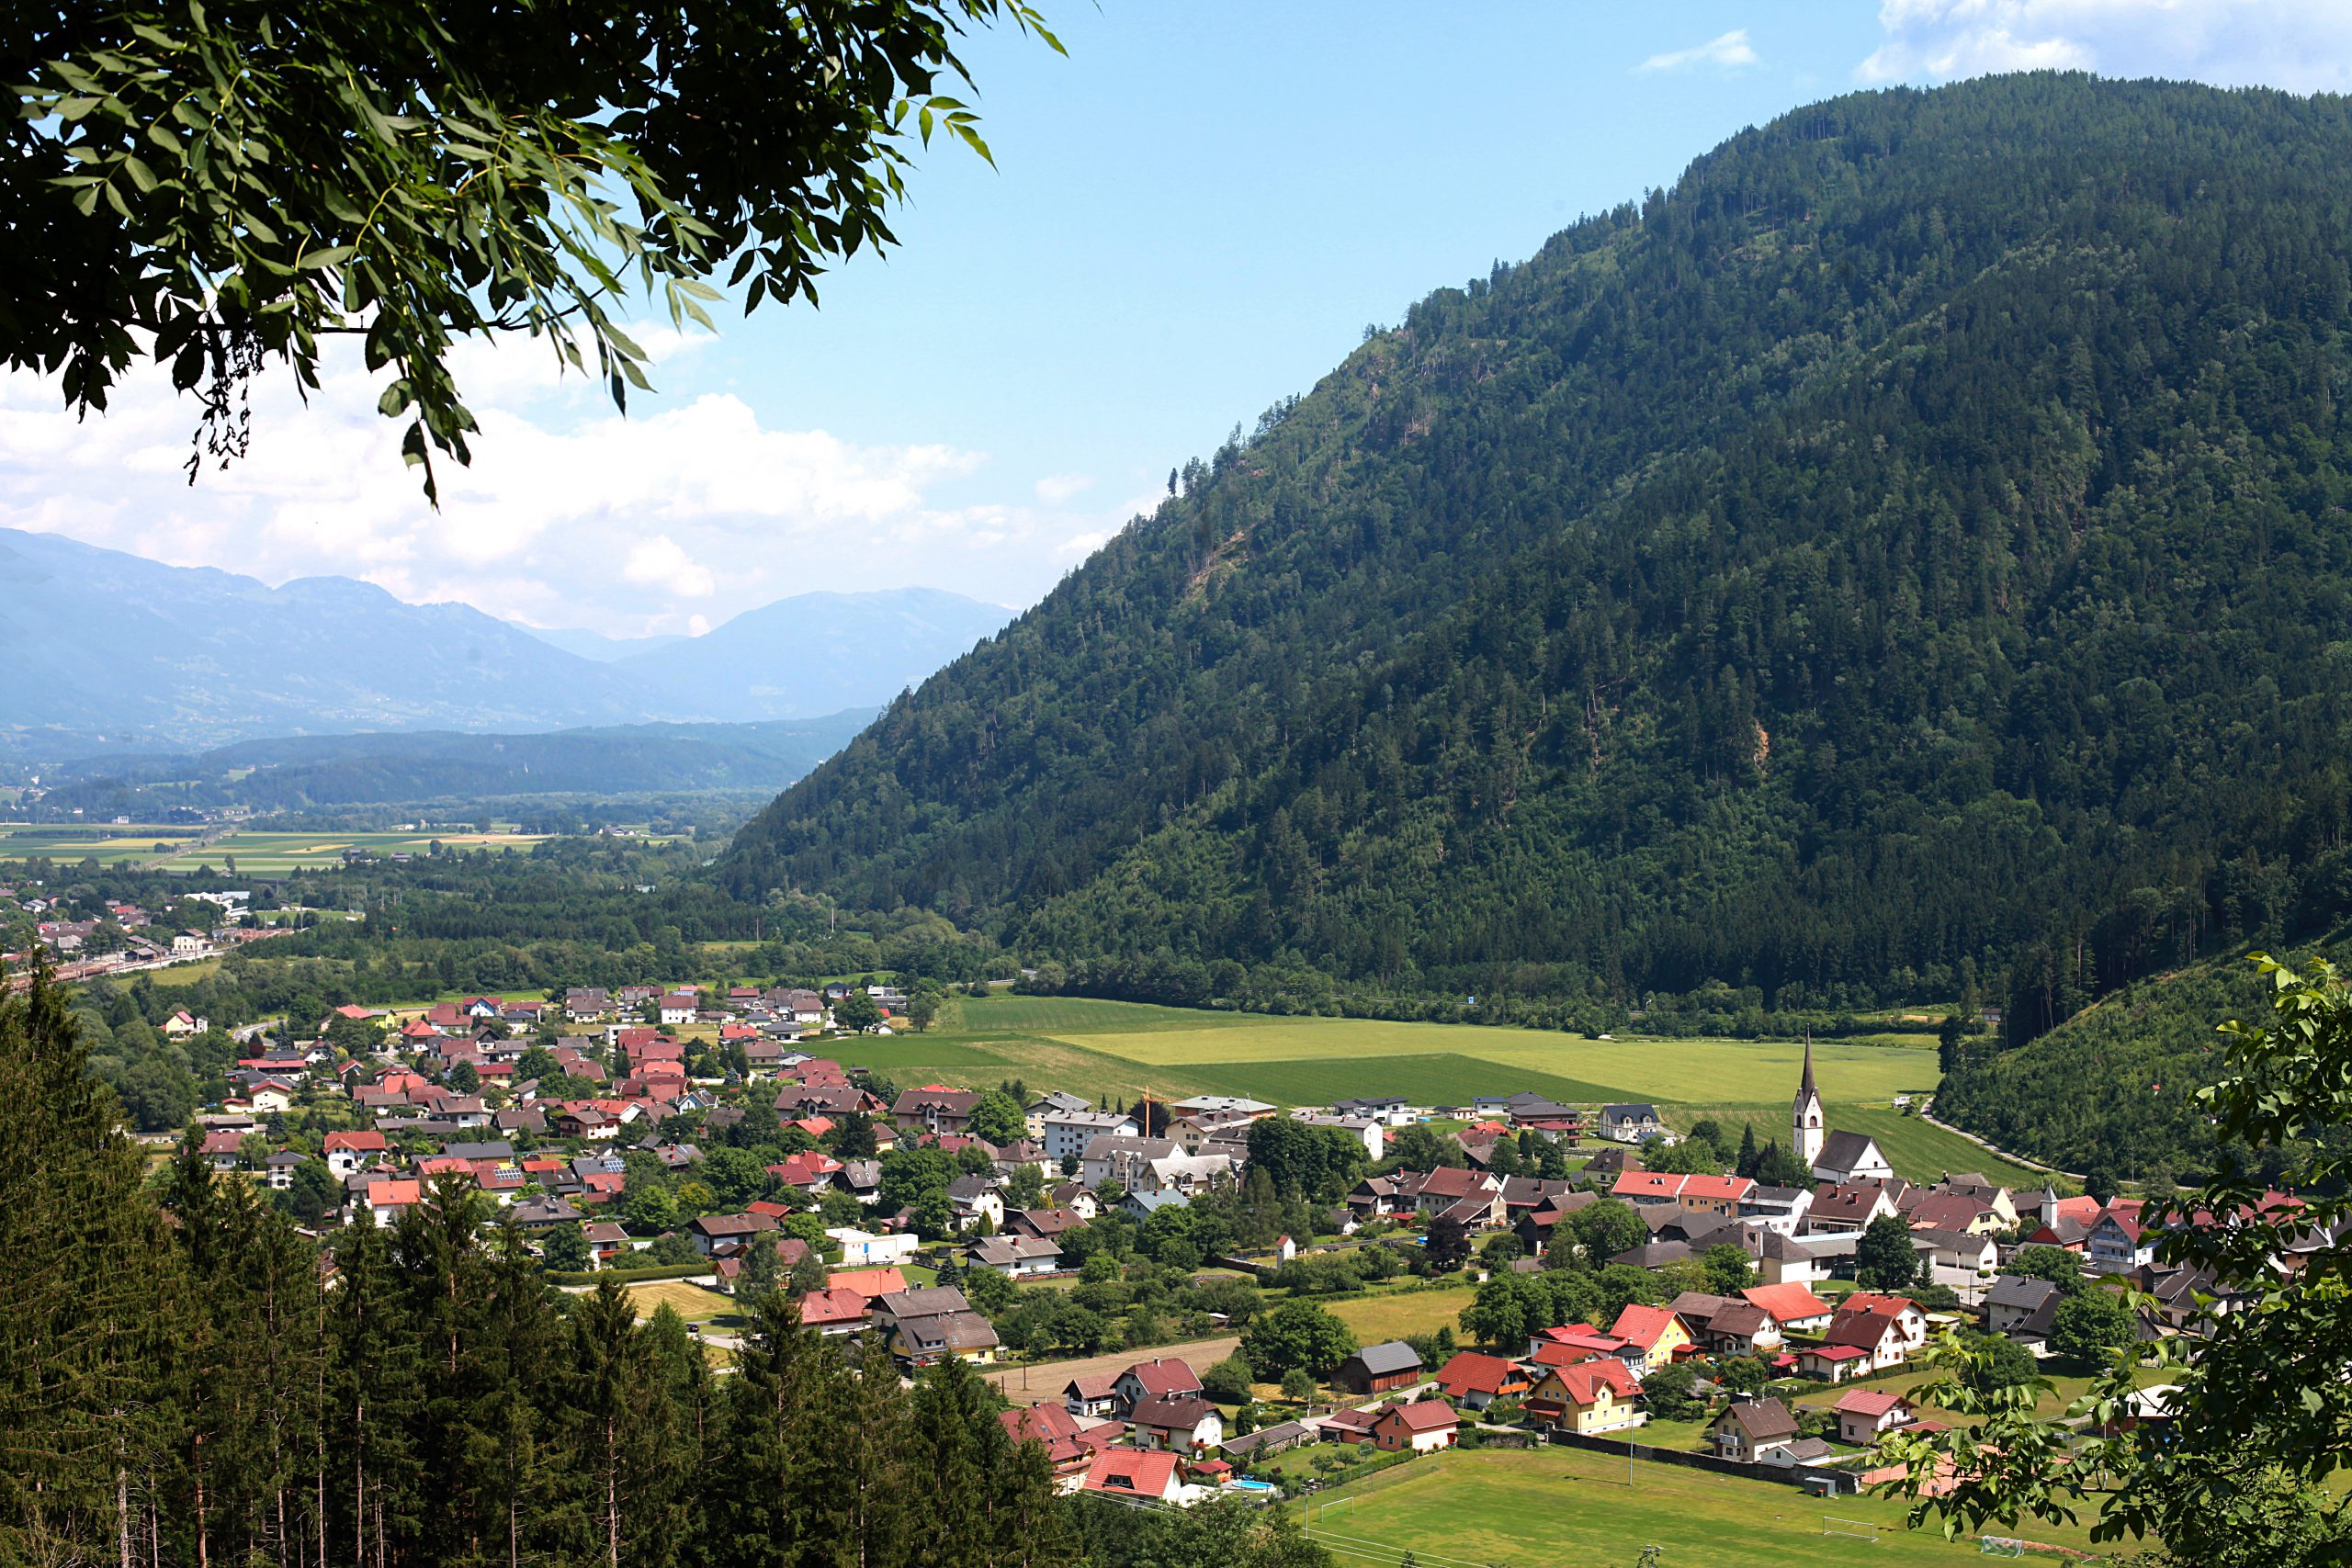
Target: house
column 1586, row 1396
column 585, row 1004
column 1655, row 1332
column 1927, row 1209
column 1056, row 1431
column 1850, row 1156
column 280, row 1168
column 1184, row 1422
column 1792, row 1306
column 1132, row 1472
column 1471, row 1196
column 928, row 1324
column 1097, row 1396
column 1864, row 1413
column 1161, row 1376
column 1017, row 1255
column 1222, row 1105
column 348, row 1152
column 1780, row 1209
column 1907, row 1313
column 1110, row 1157
column 189, row 944
column 863, row 1249
column 1143, row 1205
column 1362, row 1129
column 1378, row 1369
column 1630, row 1123
column 1849, row 1208
column 1752, row 1430
column 1477, row 1380
column 1266, row 1441
column 974, row 1198
column 1833, row 1363
column 1421, row 1427
column 2022, row 1307
column 1877, row 1334
column 1389, row 1111
column 180, row 1025
column 606, row 1243
column 1046, row 1225
column 835, row 1312
column 869, row 1283
column 1065, row 1133
column 1971, row 1252
column 1189, row 1175
column 2116, row 1243
column 934, row 1107
column 713, row 1231
column 389, row 1199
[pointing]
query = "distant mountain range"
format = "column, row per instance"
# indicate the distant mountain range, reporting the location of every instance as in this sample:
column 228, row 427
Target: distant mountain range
column 327, row 772
column 106, row 650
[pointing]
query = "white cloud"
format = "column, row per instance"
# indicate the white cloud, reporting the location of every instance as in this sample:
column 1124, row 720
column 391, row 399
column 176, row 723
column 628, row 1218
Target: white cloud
column 660, row 563
column 1728, row 52
column 691, row 510
column 2302, row 46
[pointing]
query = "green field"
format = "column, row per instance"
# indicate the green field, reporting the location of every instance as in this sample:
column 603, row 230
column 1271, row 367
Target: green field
column 1119, row 1048
column 1559, row 1505
column 264, row 853
column 1918, row 1150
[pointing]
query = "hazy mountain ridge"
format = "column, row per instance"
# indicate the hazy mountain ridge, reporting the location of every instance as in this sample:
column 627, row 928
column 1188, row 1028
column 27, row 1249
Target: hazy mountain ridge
column 106, row 648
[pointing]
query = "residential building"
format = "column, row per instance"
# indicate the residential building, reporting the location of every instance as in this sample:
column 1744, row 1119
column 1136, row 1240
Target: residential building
column 1630, row 1123
column 1864, row 1413
column 1477, row 1380
column 1162, row 1376
column 1655, row 1332
column 1133, row 1473
column 1379, row 1368
column 1067, row 1132
column 1586, row 1396
column 1421, row 1427
column 1185, row 1423
column 1752, row 1430
column 864, row 1249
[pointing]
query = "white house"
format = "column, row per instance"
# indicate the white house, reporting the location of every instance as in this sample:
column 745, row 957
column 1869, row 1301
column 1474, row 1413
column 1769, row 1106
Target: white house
column 863, row 1249
column 1363, row 1129
column 1067, row 1133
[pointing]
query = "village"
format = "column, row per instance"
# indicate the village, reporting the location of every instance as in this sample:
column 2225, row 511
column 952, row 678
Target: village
column 1586, row 1275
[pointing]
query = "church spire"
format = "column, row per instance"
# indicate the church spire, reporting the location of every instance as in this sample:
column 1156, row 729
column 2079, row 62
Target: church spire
column 1806, row 1088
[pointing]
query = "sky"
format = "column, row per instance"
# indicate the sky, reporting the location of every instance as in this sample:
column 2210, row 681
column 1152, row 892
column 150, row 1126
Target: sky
column 1196, row 213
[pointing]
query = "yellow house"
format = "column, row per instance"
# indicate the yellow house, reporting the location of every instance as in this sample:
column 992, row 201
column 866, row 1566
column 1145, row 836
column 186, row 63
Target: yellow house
column 1591, row 1396
column 1659, row 1333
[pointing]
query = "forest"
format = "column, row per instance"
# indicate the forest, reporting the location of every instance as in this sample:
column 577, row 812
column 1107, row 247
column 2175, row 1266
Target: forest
column 185, row 1378
column 1902, row 563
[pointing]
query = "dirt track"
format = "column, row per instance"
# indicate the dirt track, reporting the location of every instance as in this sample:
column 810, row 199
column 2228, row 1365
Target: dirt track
column 1044, row 1380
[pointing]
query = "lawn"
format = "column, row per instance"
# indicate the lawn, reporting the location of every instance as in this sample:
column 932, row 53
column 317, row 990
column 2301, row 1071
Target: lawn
column 1920, row 1151
column 1393, row 1315
column 692, row 1303
column 1094, row 1047
column 1553, row 1506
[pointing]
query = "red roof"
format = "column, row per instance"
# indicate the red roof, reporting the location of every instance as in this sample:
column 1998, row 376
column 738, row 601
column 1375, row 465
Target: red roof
column 1648, row 1184
column 1131, row 1473
column 1834, row 1353
column 820, row 1308
column 359, row 1143
column 1585, row 1380
column 1426, row 1416
column 1863, row 1330
column 394, row 1194
column 1723, row 1188
column 1873, row 1300
column 870, row 1283
column 1446, row 1181
column 1166, row 1375
column 1639, row 1324
column 1786, row 1304
column 801, row 1169
column 1869, row 1403
column 1470, row 1373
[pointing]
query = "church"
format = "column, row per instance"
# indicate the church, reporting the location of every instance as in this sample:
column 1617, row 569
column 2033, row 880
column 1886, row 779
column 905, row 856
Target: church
column 1836, row 1157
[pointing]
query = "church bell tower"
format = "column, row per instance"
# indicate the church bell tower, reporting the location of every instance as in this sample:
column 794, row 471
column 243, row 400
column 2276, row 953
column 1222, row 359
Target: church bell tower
column 1805, row 1118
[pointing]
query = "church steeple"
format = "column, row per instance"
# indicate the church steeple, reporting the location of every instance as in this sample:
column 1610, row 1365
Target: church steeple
column 1806, row 1130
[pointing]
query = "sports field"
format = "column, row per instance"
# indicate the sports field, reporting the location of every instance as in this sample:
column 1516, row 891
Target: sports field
column 1469, row 1509
column 264, row 853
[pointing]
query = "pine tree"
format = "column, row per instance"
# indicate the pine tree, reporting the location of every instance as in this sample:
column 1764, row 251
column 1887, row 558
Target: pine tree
column 1748, row 1153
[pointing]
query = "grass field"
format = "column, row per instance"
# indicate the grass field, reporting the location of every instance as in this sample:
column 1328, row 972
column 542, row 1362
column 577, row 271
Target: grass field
column 1918, row 1150
column 692, row 1303
column 1378, row 1318
column 263, row 853
column 1098, row 1048
column 1558, row 1506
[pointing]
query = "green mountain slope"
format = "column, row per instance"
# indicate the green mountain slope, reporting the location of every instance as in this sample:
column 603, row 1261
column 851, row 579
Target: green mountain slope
column 1914, row 540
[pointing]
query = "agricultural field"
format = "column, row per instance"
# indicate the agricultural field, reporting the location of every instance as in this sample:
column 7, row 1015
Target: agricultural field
column 1118, row 1049
column 1392, row 1315
column 1547, row 1505
column 263, row 853
column 693, row 1303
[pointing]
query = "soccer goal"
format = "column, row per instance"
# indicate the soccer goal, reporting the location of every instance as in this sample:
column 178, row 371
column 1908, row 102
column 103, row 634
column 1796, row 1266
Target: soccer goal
column 1860, row 1529
column 1999, row 1546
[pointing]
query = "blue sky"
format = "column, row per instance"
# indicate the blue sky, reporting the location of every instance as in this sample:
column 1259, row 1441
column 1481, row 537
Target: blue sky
column 1193, row 214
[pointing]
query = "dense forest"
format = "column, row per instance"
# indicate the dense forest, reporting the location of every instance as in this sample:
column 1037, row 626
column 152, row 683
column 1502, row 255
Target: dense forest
column 185, row 1379
column 1904, row 561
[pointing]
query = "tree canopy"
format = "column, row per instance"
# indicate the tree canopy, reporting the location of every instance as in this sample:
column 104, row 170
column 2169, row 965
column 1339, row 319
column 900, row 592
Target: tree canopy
column 218, row 186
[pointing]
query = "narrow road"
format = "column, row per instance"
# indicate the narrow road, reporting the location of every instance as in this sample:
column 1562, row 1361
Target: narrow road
column 1929, row 1116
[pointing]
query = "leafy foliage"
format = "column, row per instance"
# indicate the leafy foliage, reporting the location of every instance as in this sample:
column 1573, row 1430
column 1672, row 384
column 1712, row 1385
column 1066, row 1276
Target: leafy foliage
column 236, row 185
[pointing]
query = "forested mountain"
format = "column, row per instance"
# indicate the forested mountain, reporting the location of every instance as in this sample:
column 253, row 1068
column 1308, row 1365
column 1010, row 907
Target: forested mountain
column 1907, row 558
